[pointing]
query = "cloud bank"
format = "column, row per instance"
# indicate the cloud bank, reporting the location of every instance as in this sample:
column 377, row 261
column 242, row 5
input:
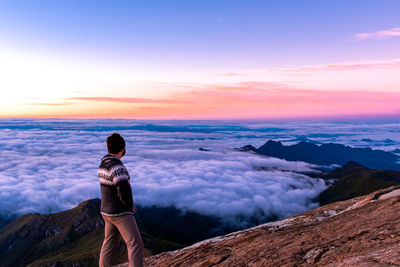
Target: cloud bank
column 51, row 165
column 223, row 184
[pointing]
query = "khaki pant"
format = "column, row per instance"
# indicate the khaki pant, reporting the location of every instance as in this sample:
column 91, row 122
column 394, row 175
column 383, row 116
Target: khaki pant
column 126, row 226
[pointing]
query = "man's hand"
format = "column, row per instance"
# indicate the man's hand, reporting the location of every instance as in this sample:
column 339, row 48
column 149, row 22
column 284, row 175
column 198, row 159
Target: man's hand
column 134, row 209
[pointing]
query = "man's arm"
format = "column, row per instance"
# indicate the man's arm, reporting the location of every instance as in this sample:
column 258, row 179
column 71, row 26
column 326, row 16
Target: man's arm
column 125, row 194
column 121, row 179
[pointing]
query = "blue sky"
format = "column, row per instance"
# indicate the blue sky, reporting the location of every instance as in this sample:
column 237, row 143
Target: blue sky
column 249, row 34
column 187, row 42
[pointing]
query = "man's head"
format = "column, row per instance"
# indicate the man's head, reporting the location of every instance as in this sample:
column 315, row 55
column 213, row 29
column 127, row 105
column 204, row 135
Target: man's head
column 116, row 144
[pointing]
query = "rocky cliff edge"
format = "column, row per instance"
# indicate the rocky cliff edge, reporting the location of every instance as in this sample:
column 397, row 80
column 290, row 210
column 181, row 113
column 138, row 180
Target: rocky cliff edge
column 363, row 231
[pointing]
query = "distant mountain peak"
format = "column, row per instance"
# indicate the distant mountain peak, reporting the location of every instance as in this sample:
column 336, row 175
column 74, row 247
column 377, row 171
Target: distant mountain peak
column 90, row 204
column 274, row 142
column 352, row 164
column 246, row 148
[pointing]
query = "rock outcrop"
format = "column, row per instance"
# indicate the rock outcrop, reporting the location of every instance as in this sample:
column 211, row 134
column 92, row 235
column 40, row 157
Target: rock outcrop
column 363, row 231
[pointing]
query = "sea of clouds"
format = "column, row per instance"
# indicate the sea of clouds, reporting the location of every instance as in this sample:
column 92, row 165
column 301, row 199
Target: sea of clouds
column 51, row 165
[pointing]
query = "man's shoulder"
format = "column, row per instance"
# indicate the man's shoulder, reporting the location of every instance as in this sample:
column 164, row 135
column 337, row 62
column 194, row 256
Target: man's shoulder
column 112, row 171
column 109, row 161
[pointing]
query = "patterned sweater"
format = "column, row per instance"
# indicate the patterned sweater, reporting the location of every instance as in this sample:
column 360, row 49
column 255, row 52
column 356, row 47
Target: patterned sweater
column 116, row 192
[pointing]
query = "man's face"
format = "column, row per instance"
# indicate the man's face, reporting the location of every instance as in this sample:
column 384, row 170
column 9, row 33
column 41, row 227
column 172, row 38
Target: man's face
column 124, row 152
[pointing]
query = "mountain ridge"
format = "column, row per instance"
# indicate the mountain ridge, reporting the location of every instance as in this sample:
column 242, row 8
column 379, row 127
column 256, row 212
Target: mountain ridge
column 327, row 154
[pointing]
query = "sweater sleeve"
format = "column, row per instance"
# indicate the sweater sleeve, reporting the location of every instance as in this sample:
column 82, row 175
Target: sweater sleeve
column 120, row 177
column 125, row 193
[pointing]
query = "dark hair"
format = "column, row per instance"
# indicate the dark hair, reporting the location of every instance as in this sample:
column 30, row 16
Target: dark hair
column 115, row 143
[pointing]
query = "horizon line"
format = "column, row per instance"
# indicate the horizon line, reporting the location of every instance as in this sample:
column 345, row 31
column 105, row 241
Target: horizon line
column 362, row 117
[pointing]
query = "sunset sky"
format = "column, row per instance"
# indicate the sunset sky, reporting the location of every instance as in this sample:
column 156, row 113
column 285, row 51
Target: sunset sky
column 208, row 59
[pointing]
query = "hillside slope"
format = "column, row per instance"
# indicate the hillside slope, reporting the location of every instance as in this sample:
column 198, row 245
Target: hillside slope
column 68, row 238
column 74, row 237
column 354, row 180
column 363, row 231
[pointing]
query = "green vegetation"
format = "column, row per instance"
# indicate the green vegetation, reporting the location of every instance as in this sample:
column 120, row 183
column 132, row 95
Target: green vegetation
column 69, row 238
column 356, row 180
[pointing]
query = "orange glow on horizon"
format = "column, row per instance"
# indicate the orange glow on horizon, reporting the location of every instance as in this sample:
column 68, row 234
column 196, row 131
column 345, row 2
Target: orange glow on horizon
column 240, row 101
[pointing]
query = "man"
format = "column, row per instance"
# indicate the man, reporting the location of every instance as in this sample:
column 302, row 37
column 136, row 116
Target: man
column 117, row 207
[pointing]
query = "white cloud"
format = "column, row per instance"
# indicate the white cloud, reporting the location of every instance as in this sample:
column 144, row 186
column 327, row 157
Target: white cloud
column 226, row 185
column 50, row 166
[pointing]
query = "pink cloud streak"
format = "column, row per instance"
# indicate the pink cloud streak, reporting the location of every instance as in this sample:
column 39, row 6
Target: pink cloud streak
column 227, row 74
column 394, row 32
column 257, row 100
column 124, row 100
column 387, row 64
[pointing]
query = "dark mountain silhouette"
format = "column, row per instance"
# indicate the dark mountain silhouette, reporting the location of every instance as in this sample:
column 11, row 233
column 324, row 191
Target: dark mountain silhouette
column 178, row 225
column 247, row 148
column 355, row 180
column 328, row 154
column 396, row 151
column 350, row 167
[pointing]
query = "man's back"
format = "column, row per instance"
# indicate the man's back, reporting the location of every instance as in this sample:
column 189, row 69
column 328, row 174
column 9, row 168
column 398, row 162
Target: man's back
column 116, row 192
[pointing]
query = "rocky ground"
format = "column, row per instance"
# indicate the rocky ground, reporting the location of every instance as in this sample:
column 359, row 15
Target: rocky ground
column 364, row 231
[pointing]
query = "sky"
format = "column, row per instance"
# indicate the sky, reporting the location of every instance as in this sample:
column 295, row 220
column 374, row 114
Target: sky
column 200, row 59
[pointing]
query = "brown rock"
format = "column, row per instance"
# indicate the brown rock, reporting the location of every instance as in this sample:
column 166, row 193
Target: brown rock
column 363, row 231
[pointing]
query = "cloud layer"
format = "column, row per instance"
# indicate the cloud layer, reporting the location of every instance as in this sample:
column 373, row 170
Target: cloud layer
column 51, row 165
column 222, row 184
